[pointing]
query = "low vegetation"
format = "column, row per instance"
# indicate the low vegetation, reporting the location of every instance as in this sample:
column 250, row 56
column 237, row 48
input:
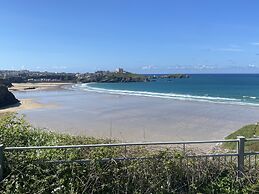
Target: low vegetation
column 248, row 131
column 166, row 170
column 111, row 77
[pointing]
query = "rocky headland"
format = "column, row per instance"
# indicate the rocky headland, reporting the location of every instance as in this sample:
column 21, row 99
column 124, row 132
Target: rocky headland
column 111, row 77
column 24, row 76
column 6, row 97
column 174, row 76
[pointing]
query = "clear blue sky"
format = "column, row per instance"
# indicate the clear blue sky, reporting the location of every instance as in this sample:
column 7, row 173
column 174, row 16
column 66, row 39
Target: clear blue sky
column 145, row 36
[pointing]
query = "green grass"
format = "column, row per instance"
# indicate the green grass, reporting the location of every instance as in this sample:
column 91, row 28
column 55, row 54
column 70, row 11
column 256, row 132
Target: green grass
column 248, row 131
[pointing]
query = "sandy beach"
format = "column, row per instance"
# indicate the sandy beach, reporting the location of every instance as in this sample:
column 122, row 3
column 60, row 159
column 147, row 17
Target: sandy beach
column 25, row 104
column 29, row 103
column 133, row 118
column 37, row 86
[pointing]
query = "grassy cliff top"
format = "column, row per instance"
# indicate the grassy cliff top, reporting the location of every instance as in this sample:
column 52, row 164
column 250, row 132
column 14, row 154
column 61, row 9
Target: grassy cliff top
column 248, row 131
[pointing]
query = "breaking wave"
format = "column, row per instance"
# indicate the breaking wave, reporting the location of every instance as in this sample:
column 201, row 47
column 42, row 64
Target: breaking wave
column 185, row 97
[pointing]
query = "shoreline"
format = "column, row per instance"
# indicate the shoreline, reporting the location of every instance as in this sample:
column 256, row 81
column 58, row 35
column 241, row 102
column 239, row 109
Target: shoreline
column 24, row 87
column 29, row 103
column 170, row 96
column 55, row 86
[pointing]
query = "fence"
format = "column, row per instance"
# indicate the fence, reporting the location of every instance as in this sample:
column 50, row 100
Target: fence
column 239, row 153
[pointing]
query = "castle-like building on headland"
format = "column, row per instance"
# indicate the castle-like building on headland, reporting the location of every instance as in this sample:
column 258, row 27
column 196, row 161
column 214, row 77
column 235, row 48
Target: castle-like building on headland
column 119, row 70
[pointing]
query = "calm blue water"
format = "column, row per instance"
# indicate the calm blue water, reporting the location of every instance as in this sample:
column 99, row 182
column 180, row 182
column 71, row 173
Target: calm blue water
column 240, row 89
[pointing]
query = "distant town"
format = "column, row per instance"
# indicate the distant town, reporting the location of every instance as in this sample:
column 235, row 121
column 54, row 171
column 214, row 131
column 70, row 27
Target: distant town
column 119, row 75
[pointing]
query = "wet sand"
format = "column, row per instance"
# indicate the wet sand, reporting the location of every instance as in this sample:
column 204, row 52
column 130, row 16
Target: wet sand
column 132, row 118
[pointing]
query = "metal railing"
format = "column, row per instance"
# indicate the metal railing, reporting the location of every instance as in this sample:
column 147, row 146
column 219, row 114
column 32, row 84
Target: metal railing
column 240, row 151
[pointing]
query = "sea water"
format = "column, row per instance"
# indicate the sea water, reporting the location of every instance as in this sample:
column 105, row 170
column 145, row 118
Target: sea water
column 242, row 89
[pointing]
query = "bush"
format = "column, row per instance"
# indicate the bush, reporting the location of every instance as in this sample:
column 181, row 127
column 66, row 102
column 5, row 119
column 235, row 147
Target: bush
column 166, row 170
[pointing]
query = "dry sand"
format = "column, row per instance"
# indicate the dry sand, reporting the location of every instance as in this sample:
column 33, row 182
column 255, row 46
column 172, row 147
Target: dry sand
column 25, row 104
column 37, row 86
column 29, row 103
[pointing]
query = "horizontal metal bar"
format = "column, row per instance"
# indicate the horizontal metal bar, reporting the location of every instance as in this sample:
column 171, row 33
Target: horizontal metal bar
column 252, row 139
column 251, row 153
column 213, row 155
column 118, row 145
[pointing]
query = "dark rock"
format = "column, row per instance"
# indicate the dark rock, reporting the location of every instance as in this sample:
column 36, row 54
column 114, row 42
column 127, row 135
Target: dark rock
column 6, row 82
column 6, row 97
column 174, row 76
column 30, row 88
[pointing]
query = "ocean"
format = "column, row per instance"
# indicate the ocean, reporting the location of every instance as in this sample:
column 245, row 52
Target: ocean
column 241, row 89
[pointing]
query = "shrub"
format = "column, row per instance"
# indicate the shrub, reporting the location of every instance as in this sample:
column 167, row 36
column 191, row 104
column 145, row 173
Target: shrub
column 160, row 170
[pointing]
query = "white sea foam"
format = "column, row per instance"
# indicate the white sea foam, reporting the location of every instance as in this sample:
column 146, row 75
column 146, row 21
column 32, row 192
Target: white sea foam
column 251, row 97
column 185, row 97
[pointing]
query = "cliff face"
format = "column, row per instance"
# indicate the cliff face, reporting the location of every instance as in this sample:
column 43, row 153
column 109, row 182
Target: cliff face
column 6, row 83
column 6, row 97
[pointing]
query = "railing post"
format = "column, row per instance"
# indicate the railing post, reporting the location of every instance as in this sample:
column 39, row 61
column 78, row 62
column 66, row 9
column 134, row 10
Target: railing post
column 241, row 156
column 1, row 162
